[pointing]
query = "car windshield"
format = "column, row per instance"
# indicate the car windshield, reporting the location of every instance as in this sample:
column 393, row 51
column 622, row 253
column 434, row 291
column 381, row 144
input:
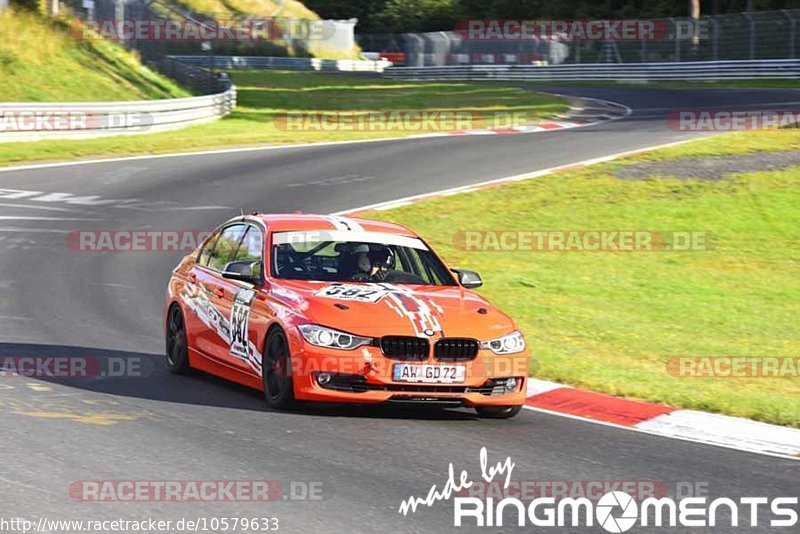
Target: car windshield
column 356, row 257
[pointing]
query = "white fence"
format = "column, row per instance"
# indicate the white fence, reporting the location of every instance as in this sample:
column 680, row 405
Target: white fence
column 633, row 72
column 294, row 63
column 30, row 121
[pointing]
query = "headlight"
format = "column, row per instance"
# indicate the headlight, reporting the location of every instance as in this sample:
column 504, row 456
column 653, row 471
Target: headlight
column 330, row 338
column 510, row 344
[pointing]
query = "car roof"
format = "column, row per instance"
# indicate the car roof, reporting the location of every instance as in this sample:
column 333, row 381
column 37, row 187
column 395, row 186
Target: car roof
column 288, row 222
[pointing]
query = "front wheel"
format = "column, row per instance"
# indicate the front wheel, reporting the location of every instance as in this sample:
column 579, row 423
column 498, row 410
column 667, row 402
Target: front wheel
column 276, row 375
column 177, row 346
column 498, row 412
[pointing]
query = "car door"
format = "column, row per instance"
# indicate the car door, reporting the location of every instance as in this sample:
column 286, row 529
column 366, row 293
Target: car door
column 241, row 301
column 213, row 298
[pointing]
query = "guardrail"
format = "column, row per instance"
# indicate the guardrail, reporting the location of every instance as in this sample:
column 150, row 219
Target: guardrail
column 294, row 63
column 634, row 72
column 31, row 121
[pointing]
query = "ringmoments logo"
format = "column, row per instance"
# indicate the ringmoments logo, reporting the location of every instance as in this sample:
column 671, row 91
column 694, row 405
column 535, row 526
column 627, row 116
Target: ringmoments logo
column 615, row 511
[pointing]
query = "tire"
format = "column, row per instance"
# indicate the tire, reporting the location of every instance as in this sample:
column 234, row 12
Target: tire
column 498, row 412
column 177, row 347
column 276, row 372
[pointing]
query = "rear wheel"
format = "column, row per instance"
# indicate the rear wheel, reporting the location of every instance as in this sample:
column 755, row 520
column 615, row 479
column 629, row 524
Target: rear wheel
column 278, row 387
column 498, row 412
column 177, row 347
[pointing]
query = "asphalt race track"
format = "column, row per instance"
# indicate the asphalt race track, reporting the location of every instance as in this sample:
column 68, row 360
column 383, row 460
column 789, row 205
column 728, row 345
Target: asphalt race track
column 57, row 301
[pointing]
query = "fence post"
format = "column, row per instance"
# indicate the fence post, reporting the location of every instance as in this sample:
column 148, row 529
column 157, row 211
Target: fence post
column 792, row 31
column 714, row 39
column 752, row 37
column 119, row 16
column 677, row 39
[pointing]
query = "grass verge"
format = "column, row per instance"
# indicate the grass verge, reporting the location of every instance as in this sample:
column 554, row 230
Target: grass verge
column 266, row 95
column 612, row 322
column 41, row 61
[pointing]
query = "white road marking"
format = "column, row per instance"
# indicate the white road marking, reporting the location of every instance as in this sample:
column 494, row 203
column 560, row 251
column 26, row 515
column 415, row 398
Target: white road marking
column 32, row 207
column 33, row 230
column 108, row 284
column 93, row 200
column 28, row 218
column 192, row 208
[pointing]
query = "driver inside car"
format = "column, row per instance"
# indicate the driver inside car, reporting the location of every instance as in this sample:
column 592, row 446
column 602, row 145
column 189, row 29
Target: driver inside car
column 373, row 264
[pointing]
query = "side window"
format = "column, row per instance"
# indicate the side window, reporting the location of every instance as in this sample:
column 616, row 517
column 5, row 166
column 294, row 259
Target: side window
column 208, row 248
column 226, row 246
column 435, row 271
column 252, row 248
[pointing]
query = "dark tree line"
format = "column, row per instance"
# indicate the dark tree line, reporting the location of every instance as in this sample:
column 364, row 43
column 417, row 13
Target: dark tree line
column 388, row 16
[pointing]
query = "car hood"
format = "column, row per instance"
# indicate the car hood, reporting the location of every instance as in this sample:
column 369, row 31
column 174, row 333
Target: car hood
column 376, row 310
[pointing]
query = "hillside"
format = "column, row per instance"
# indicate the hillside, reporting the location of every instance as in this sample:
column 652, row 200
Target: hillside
column 41, row 61
column 258, row 8
column 291, row 9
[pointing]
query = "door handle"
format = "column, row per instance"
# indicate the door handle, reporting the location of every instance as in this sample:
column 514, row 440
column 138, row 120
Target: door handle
column 192, row 278
column 219, row 292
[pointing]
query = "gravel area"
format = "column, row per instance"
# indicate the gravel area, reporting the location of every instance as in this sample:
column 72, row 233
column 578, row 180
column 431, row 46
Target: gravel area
column 712, row 167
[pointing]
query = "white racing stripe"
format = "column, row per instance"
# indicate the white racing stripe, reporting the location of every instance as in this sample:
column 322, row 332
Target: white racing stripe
column 345, row 223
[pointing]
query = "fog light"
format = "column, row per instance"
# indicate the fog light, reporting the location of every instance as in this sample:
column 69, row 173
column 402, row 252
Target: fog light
column 324, row 378
column 511, row 384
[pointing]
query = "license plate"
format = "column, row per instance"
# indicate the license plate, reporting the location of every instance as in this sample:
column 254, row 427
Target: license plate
column 429, row 374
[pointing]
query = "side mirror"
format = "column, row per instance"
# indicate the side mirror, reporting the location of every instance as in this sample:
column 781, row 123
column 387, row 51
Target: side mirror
column 243, row 271
column 468, row 279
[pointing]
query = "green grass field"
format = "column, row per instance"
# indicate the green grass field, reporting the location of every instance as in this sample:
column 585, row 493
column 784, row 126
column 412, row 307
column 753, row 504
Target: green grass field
column 40, row 61
column 265, row 95
column 611, row 321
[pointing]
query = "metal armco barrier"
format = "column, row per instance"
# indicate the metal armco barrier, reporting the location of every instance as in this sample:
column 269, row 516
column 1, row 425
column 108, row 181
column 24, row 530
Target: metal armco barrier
column 298, row 63
column 30, row 121
column 633, row 72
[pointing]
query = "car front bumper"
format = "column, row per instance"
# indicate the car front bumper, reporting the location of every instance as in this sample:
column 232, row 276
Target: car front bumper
column 365, row 375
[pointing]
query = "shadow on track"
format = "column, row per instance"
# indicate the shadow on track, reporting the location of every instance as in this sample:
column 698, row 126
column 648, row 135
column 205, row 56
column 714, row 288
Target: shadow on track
column 145, row 376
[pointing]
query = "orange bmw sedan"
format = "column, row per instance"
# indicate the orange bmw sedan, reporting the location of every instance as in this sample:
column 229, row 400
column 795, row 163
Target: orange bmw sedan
column 344, row 310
